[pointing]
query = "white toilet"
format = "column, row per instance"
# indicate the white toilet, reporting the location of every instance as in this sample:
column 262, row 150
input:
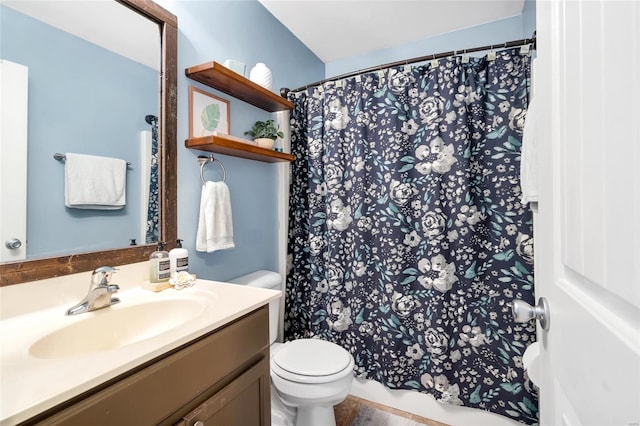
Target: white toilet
column 308, row 376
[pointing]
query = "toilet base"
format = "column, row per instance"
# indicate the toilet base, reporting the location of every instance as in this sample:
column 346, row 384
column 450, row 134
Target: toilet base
column 281, row 415
column 278, row 418
column 315, row 416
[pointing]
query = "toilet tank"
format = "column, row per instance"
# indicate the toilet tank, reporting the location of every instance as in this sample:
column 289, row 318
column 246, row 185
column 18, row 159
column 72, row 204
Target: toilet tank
column 265, row 279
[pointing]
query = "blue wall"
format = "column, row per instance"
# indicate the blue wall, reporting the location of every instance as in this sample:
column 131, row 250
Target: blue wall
column 529, row 18
column 247, row 32
column 514, row 28
column 84, row 99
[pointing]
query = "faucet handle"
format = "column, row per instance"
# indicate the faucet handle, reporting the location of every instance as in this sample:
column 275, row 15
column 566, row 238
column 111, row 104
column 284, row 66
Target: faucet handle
column 102, row 275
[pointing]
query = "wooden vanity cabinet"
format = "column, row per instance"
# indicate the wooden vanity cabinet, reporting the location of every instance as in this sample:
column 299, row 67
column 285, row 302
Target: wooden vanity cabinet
column 219, row 379
column 230, row 405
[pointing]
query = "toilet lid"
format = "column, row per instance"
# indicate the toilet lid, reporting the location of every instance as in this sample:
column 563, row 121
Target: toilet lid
column 312, row 357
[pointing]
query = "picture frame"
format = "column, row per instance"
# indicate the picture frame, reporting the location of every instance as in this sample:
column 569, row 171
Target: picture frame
column 208, row 114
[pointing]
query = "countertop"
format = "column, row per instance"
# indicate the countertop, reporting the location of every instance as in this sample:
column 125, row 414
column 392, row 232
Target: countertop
column 29, row 385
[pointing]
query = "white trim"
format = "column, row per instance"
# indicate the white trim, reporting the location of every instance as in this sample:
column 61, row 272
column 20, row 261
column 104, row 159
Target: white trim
column 284, row 170
column 425, row 405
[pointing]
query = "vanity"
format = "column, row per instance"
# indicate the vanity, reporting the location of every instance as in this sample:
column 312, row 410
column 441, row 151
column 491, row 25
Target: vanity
column 196, row 356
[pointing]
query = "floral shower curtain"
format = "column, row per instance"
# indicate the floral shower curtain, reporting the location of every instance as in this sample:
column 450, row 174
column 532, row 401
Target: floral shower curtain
column 153, row 211
column 407, row 238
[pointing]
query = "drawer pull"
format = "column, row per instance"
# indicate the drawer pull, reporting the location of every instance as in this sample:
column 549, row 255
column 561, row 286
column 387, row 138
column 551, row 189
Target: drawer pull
column 199, row 423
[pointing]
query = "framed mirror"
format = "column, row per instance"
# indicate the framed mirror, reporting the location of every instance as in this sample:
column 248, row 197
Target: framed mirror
column 85, row 257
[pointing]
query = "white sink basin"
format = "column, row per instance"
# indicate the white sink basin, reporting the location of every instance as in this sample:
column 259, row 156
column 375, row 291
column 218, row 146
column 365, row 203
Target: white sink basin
column 116, row 326
column 47, row 357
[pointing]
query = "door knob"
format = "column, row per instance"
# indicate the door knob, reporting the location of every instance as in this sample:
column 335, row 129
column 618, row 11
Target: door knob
column 13, row 244
column 523, row 312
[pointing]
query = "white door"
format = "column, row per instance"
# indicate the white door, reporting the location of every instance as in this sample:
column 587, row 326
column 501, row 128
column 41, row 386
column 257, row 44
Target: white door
column 13, row 160
column 588, row 225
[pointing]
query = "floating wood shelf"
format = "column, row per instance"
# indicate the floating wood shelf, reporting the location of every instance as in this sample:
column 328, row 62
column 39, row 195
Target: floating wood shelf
column 222, row 78
column 230, row 146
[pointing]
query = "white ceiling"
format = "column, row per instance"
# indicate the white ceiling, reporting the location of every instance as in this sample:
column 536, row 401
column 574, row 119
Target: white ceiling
column 337, row 29
column 134, row 36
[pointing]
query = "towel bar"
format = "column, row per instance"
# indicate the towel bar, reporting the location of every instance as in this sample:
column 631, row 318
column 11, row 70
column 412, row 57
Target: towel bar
column 62, row 157
column 203, row 159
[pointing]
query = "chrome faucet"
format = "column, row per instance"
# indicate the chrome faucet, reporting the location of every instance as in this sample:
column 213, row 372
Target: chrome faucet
column 100, row 292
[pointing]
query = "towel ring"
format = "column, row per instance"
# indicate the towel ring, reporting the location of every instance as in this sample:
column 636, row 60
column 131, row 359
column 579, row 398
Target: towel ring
column 203, row 159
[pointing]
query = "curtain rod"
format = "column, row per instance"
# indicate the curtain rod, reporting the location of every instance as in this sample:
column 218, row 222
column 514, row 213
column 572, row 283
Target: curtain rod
column 284, row 91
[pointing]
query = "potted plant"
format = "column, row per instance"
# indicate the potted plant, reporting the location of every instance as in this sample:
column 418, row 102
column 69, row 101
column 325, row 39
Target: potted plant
column 265, row 133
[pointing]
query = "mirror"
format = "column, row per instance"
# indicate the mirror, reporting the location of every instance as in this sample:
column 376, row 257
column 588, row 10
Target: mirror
column 88, row 89
column 87, row 257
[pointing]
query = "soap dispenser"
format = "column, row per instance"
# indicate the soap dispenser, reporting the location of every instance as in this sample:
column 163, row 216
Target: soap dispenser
column 178, row 259
column 159, row 265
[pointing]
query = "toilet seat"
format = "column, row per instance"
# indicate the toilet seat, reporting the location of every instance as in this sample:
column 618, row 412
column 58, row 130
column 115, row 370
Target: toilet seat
column 311, row 361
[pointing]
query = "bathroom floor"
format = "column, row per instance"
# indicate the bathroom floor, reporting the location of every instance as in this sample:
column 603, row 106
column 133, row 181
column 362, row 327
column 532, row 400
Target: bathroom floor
column 355, row 411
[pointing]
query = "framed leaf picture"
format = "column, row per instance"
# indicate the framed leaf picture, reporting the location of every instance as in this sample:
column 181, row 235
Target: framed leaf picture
column 208, row 114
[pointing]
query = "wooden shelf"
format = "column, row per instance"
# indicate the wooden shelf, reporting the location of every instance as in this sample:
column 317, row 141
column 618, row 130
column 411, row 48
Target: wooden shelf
column 229, row 146
column 222, row 78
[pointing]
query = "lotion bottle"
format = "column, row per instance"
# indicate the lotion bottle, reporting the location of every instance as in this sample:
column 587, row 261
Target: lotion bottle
column 178, row 259
column 159, row 265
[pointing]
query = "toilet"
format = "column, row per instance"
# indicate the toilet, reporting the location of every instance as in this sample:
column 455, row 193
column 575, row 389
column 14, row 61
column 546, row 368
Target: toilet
column 308, row 376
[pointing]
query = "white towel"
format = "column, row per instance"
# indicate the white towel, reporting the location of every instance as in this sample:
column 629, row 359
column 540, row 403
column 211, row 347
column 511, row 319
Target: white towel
column 529, row 157
column 93, row 182
column 529, row 152
column 215, row 225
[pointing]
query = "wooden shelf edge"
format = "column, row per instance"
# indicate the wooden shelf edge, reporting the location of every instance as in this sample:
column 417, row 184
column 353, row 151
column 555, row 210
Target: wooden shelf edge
column 222, row 145
column 222, row 78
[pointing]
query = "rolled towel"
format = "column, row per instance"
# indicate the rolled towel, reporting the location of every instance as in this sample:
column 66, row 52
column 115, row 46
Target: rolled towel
column 93, row 182
column 215, row 224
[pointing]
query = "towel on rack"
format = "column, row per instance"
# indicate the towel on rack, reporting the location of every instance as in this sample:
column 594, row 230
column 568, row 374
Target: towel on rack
column 529, row 157
column 215, row 225
column 93, row 182
column 529, row 151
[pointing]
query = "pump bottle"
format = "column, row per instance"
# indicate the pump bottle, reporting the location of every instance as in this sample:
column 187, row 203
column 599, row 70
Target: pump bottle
column 159, row 265
column 178, row 259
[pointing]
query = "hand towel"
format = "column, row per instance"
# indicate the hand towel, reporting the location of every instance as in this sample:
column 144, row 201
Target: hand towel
column 529, row 157
column 215, row 225
column 529, row 150
column 93, row 182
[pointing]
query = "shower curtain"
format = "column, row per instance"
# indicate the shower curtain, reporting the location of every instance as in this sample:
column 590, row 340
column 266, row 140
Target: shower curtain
column 153, row 211
column 407, row 237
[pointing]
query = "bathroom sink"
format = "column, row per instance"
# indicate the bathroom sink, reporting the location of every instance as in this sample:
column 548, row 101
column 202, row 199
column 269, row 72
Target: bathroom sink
column 115, row 327
column 47, row 357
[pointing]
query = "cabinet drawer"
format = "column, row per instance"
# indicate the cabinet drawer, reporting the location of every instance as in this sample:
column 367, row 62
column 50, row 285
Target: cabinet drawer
column 152, row 394
column 243, row 402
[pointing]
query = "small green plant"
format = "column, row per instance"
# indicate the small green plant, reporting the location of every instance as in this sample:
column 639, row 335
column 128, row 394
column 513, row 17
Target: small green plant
column 265, row 129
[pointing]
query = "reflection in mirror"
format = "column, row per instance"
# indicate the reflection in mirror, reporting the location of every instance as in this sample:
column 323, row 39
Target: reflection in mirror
column 80, row 82
column 89, row 96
